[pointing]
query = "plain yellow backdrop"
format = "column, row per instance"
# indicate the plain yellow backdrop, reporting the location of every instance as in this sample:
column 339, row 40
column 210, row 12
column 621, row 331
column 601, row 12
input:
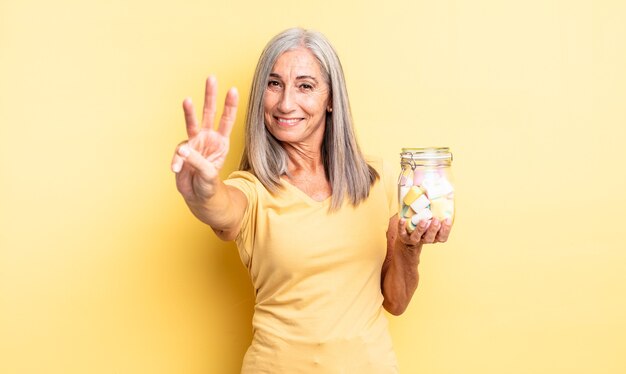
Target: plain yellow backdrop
column 104, row 270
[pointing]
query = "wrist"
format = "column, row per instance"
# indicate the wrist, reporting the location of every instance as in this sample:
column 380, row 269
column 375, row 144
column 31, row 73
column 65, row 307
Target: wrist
column 409, row 252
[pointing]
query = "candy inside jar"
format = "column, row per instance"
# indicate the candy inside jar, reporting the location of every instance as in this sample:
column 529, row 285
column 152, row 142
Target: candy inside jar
column 425, row 187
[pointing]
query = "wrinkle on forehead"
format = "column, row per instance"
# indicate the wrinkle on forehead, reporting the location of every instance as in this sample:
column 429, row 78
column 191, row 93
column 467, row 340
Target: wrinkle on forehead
column 299, row 63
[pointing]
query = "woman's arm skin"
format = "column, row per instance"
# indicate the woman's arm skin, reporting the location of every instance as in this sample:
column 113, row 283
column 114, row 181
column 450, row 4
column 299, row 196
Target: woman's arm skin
column 399, row 274
column 198, row 160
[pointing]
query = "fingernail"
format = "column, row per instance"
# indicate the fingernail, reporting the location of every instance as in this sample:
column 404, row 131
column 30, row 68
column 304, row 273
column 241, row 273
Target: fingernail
column 183, row 151
column 423, row 224
column 448, row 221
column 176, row 167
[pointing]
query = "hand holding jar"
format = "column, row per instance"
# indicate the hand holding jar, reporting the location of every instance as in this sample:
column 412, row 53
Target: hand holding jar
column 425, row 189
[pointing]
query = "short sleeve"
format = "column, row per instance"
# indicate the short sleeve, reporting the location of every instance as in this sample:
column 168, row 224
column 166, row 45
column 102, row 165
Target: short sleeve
column 247, row 184
column 389, row 179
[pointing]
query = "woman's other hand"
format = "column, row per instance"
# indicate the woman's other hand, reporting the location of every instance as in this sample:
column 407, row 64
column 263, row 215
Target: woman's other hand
column 198, row 159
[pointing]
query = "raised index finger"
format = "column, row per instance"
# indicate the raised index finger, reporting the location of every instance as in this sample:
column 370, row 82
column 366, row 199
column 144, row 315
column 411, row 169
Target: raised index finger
column 230, row 112
column 190, row 118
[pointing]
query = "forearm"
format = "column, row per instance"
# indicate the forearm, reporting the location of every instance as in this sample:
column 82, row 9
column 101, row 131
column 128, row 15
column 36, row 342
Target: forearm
column 222, row 211
column 400, row 277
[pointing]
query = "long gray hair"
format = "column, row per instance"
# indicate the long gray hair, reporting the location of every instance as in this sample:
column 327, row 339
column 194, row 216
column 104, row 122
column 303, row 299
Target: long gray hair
column 343, row 161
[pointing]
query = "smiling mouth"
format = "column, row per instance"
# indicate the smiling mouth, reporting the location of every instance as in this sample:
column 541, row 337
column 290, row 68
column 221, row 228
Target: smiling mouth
column 287, row 121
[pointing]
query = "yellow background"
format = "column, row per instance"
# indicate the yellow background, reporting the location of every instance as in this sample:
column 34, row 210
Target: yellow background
column 104, row 270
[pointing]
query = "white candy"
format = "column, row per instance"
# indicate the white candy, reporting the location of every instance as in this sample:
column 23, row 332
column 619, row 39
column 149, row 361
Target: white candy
column 422, row 215
column 421, row 203
column 437, row 187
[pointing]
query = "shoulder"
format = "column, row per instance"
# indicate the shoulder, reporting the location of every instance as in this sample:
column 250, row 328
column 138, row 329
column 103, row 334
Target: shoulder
column 244, row 181
column 242, row 175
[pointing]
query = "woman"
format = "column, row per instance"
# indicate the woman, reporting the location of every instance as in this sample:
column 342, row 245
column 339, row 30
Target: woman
column 314, row 220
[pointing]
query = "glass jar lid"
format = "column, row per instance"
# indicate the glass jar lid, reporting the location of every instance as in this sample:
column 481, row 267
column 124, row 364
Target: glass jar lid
column 427, row 156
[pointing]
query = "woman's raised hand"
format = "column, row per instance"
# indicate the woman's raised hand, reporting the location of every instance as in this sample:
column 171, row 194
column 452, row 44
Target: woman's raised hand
column 197, row 160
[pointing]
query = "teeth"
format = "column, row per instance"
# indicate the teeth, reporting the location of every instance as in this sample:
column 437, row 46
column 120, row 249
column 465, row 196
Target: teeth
column 288, row 121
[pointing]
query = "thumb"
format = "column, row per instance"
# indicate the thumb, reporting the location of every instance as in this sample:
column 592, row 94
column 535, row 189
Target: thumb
column 194, row 159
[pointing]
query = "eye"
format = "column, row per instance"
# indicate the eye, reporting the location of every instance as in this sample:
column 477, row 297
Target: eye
column 306, row 87
column 273, row 84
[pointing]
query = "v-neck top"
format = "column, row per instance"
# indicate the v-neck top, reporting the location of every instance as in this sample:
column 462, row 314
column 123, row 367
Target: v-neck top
column 317, row 278
column 286, row 184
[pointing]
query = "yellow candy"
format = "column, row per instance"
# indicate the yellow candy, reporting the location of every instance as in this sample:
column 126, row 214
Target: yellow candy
column 410, row 227
column 414, row 193
column 407, row 212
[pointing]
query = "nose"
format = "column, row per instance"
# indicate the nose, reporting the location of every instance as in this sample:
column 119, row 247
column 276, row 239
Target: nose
column 286, row 103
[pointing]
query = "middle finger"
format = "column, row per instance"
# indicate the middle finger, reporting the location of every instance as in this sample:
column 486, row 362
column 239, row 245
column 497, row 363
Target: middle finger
column 210, row 100
column 431, row 233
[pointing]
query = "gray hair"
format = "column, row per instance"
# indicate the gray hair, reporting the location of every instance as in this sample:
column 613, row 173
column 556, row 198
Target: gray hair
column 263, row 156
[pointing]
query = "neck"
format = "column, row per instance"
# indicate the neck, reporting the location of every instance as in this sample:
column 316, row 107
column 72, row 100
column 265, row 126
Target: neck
column 304, row 159
column 305, row 171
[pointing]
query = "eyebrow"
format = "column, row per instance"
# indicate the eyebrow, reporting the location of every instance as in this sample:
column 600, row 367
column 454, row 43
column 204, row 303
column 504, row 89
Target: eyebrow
column 299, row 77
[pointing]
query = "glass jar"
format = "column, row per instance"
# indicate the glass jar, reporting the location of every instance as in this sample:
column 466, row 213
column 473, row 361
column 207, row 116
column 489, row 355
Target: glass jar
column 425, row 188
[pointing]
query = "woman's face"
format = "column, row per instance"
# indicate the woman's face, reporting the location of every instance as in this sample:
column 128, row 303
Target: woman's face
column 296, row 99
